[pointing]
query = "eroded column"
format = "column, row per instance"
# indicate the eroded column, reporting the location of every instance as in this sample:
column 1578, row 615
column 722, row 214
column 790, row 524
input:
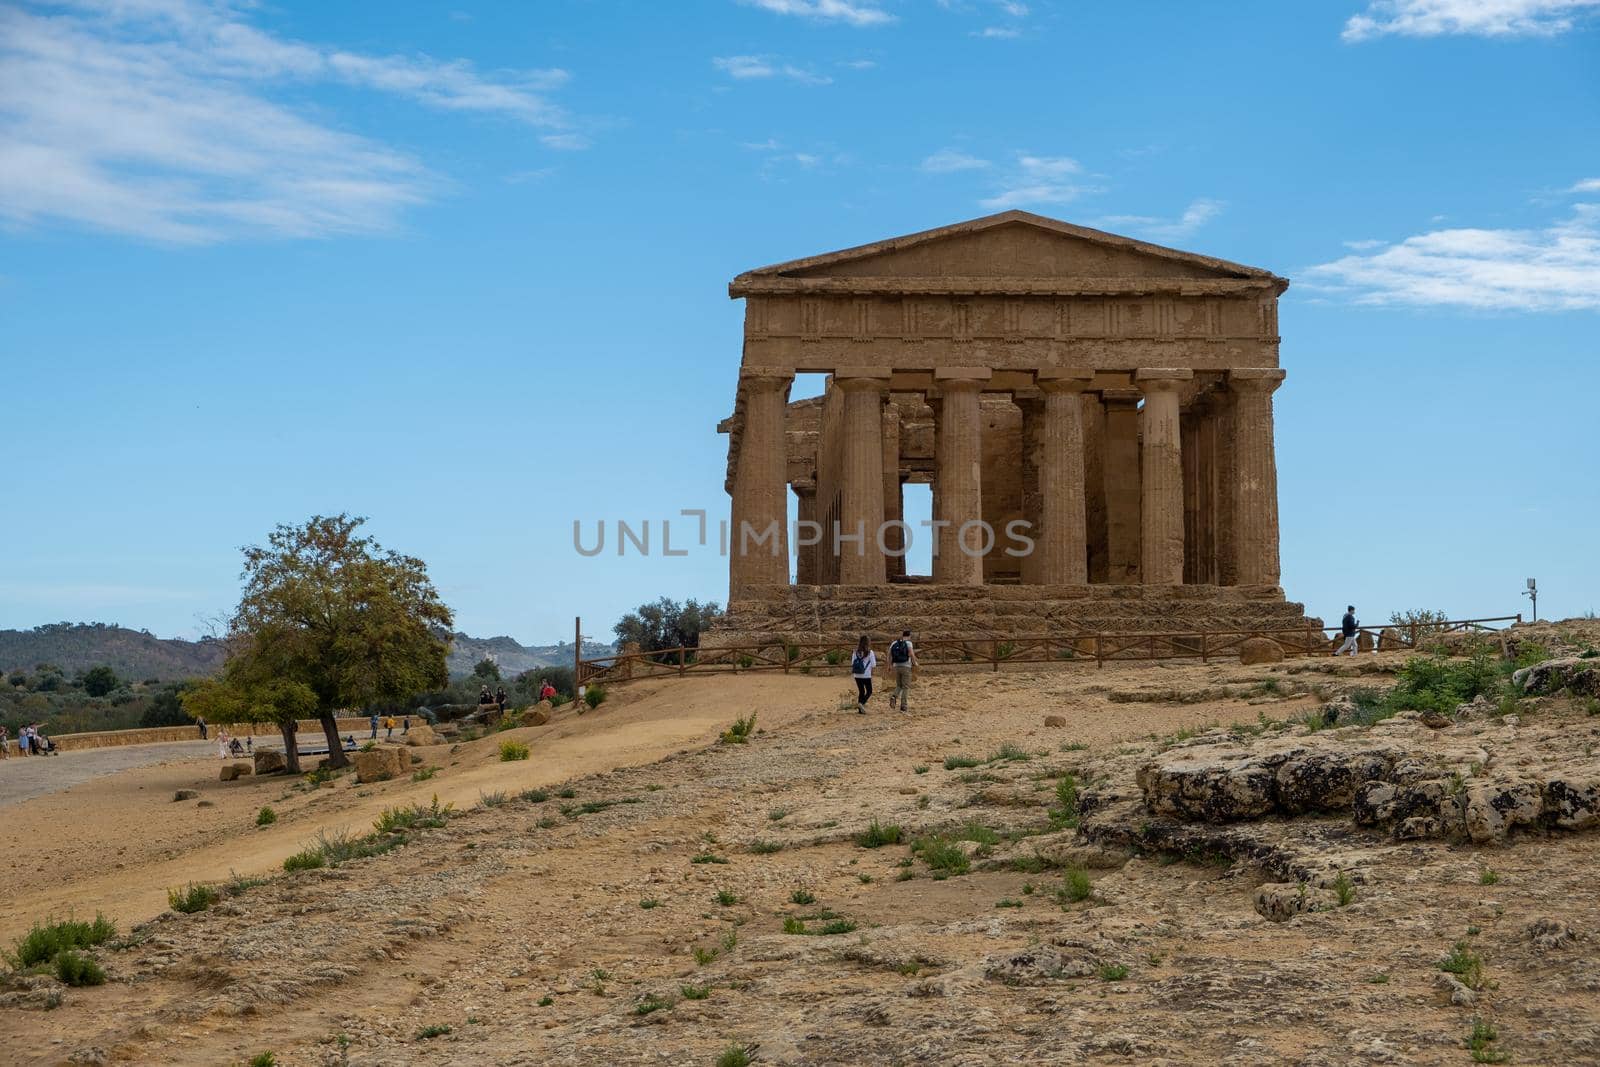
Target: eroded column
column 1121, row 470
column 1161, row 453
column 758, row 541
column 861, row 502
column 1255, row 482
column 959, row 560
column 805, row 553
column 894, row 541
column 1061, row 542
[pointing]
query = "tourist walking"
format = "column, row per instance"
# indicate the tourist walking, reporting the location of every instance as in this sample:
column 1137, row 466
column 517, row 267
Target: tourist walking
column 200, row 721
column 22, row 740
column 388, row 725
column 1350, row 628
column 405, row 725
column 861, row 665
column 902, row 657
column 374, row 723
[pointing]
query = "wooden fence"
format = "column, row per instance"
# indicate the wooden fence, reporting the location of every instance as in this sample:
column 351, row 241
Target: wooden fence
column 993, row 650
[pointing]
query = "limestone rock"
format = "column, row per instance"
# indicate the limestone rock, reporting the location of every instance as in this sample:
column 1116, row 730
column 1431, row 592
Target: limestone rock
column 1460, row 995
column 381, row 763
column 1340, row 712
column 270, row 761
column 1573, row 803
column 1207, row 790
column 185, row 794
column 1055, row 720
column 1492, row 810
column 538, row 716
column 1581, row 676
column 1547, row 934
column 1364, row 641
column 1279, row 901
column 1260, row 650
column 1389, row 640
column 420, row 735
column 231, row 771
column 1325, row 781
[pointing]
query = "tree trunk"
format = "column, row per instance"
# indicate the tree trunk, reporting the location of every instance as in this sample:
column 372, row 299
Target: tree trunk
column 336, row 756
column 291, row 748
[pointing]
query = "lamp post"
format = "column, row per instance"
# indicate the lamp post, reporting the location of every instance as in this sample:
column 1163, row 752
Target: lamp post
column 1532, row 593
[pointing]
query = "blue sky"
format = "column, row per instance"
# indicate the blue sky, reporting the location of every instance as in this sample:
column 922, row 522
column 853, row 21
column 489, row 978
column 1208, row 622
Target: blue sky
column 462, row 269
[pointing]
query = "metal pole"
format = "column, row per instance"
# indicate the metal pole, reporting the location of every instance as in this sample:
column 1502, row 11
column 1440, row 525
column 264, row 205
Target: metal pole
column 577, row 654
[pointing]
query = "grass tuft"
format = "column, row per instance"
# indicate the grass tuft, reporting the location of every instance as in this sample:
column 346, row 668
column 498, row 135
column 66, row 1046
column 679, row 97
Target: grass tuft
column 192, row 898
column 511, row 751
column 877, row 834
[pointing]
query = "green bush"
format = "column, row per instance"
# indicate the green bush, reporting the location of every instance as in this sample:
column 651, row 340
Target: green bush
column 1075, row 886
column 739, row 733
column 956, row 763
column 192, row 898
column 878, row 834
column 594, row 696
column 943, row 856
column 306, row 859
column 73, row 969
column 510, row 751
column 416, row 817
column 266, row 817
column 42, row 943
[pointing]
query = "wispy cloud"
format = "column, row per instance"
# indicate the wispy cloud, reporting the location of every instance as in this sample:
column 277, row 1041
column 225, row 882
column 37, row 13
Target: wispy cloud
column 1197, row 214
column 1480, row 18
column 997, row 33
column 1038, row 180
column 1556, row 268
column 851, row 12
column 748, row 67
column 949, row 160
column 1587, row 185
column 154, row 119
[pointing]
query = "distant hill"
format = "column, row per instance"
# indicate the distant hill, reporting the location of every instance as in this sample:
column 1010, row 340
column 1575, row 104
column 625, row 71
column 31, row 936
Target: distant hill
column 139, row 654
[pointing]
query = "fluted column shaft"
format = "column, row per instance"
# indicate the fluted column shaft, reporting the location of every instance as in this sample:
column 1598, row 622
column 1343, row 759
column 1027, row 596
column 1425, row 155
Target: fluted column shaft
column 1061, row 542
column 959, row 448
column 1120, row 481
column 1161, row 500
column 894, row 536
column 805, row 564
column 1255, row 484
column 861, row 504
column 758, row 542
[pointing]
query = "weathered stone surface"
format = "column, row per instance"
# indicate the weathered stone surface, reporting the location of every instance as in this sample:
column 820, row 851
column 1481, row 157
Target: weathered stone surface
column 421, row 735
column 1254, row 650
column 1325, row 781
column 270, row 761
column 1573, row 803
column 1490, row 811
column 1389, row 640
column 538, row 716
column 1208, row 790
column 1055, row 721
column 1549, row 934
column 1279, row 901
column 381, row 763
column 185, row 794
column 1579, row 675
column 230, row 771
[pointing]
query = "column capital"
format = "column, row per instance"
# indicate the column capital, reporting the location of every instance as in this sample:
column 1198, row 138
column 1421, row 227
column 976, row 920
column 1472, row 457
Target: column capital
column 1161, row 379
column 862, row 379
column 765, row 379
column 1121, row 396
column 1256, row 378
column 1064, row 379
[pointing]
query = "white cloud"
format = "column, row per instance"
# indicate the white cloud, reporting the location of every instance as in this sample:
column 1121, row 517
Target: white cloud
column 1035, row 179
column 848, row 11
column 154, row 118
column 1363, row 245
column 1197, row 214
column 947, row 160
column 745, row 67
column 997, row 33
column 1556, row 268
column 1481, row 18
column 1588, row 185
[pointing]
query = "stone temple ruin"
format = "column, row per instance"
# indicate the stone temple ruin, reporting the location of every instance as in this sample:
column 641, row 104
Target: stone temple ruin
column 1113, row 395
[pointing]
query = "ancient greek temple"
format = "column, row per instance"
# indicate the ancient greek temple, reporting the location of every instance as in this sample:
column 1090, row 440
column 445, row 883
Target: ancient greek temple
column 1107, row 399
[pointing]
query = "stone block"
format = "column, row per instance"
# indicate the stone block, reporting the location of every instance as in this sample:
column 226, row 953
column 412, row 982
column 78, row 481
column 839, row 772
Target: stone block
column 537, row 716
column 420, row 735
column 230, row 771
column 270, row 761
column 1254, row 650
column 381, row 764
column 1055, row 720
column 185, row 794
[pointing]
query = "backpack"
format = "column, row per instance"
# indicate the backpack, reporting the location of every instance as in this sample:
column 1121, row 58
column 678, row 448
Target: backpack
column 899, row 652
column 858, row 665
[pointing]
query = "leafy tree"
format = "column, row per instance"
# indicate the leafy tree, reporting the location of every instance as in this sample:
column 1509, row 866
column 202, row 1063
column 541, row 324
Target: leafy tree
column 334, row 612
column 241, row 695
column 100, row 681
column 166, row 707
column 487, row 670
column 667, row 624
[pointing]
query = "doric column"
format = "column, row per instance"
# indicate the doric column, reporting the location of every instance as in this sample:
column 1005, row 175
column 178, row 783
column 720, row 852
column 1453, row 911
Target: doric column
column 1161, row 525
column 1255, row 483
column 805, row 562
column 1121, row 470
column 893, row 536
column 1094, row 482
column 861, row 503
column 959, row 448
column 1061, row 540
column 758, row 545
column 1030, row 404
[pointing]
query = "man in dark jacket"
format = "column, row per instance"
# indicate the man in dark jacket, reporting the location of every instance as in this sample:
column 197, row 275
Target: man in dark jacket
column 1350, row 628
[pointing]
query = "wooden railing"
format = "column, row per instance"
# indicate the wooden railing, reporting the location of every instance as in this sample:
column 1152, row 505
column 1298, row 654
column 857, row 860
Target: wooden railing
column 993, row 650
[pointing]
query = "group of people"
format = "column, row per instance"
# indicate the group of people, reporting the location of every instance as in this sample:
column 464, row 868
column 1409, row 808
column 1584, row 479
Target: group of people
column 31, row 741
column 902, row 659
column 492, row 700
column 228, row 745
column 389, row 725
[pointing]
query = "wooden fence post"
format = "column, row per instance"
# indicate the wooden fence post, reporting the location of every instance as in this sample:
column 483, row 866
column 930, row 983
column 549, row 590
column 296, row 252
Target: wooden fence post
column 683, row 660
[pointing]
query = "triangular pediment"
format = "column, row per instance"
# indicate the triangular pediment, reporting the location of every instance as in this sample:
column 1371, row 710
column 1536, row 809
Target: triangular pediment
column 1010, row 245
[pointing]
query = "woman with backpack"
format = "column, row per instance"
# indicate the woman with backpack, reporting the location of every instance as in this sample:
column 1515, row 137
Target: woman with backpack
column 861, row 665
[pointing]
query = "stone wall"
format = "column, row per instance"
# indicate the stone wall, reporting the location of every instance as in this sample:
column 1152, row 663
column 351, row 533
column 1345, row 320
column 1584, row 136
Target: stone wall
column 166, row 734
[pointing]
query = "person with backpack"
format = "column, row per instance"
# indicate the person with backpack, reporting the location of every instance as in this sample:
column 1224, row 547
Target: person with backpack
column 902, row 657
column 373, row 722
column 861, row 665
column 1349, row 627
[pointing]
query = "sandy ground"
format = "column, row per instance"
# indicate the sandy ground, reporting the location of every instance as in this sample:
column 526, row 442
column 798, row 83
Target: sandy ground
column 574, row 931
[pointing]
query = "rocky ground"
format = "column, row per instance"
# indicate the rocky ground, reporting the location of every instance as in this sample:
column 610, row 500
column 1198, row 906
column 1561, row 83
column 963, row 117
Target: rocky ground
column 1179, row 870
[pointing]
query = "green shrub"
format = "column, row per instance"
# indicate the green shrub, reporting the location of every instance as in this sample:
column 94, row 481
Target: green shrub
column 802, row 896
column 737, row 1056
column 266, row 817
column 432, row 1031
column 695, row 992
column 1112, row 972
column 766, row 848
column 1065, row 811
column 878, row 834
column 594, row 696
column 493, row 799
column 726, row 897
column 651, row 1002
column 956, row 763
column 533, row 796
column 424, row 774
column 834, row 657
column 1344, row 889
column 511, row 751
column 1075, row 886
column 1483, row 1035
column 192, row 898
column 1465, row 964
column 739, row 733
column 943, row 856
column 44, row 942
column 75, row 970
column 264, row 1059
column 415, row 817
column 306, row 859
